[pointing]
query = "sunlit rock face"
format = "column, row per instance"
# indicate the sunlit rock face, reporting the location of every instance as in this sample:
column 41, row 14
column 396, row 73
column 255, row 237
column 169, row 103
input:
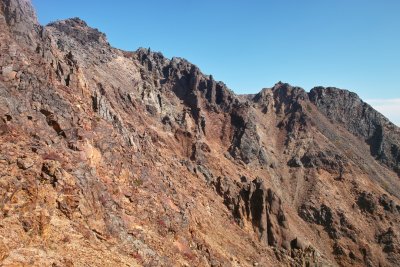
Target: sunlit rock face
column 111, row 157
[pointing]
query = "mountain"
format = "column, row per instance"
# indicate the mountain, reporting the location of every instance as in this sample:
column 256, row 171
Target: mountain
column 110, row 157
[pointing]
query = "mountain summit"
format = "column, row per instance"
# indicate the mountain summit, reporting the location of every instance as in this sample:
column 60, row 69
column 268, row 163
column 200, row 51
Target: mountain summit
column 110, row 157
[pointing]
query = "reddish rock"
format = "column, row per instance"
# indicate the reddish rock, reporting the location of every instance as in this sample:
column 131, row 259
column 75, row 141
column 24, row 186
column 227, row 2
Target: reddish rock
column 111, row 158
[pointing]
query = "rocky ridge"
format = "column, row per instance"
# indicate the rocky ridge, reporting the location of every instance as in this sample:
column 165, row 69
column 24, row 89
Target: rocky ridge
column 130, row 158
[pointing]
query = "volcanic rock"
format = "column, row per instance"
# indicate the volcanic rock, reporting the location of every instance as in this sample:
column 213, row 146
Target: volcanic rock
column 112, row 157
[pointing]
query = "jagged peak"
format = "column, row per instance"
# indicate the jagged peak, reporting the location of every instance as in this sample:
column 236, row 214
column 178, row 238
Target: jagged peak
column 148, row 53
column 155, row 57
column 287, row 88
column 158, row 59
column 280, row 85
column 322, row 95
column 143, row 50
column 359, row 118
column 281, row 90
column 79, row 30
column 333, row 90
column 71, row 21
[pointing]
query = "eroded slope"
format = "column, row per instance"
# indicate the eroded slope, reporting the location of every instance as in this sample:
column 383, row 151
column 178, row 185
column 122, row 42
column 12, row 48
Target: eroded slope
column 130, row 158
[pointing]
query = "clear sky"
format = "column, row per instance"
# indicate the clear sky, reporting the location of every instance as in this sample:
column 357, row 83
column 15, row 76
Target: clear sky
column 249, row 45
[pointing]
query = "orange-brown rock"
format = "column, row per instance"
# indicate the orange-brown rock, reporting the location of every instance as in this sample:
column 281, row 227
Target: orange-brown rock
column 109, row 157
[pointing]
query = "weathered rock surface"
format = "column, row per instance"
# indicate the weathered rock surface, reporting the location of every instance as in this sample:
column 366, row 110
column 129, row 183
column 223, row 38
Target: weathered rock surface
column 346, row 108
column 253, row 202
column 110, row 157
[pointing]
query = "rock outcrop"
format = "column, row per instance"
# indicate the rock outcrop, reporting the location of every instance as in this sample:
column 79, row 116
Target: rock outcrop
column 261, row 206
column 346, row 108
column 111, row 157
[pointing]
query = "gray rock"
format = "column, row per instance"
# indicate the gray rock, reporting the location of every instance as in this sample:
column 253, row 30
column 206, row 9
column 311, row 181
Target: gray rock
column 362, row 120
column 25, row 163
column 252, row 201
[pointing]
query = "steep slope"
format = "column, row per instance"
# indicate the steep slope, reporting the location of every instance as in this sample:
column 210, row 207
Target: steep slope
column 361, row 119
column 111, row 157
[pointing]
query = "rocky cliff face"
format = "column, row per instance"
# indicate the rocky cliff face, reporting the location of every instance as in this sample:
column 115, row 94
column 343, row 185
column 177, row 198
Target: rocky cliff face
column 20, row 17
column 109, row 157
column 362, row 120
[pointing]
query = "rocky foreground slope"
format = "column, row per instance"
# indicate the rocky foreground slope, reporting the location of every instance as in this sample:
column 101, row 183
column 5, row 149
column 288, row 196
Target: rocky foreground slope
column 109, row 157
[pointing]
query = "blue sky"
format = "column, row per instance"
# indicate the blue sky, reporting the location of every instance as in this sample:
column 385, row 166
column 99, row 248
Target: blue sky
column 249, row 45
